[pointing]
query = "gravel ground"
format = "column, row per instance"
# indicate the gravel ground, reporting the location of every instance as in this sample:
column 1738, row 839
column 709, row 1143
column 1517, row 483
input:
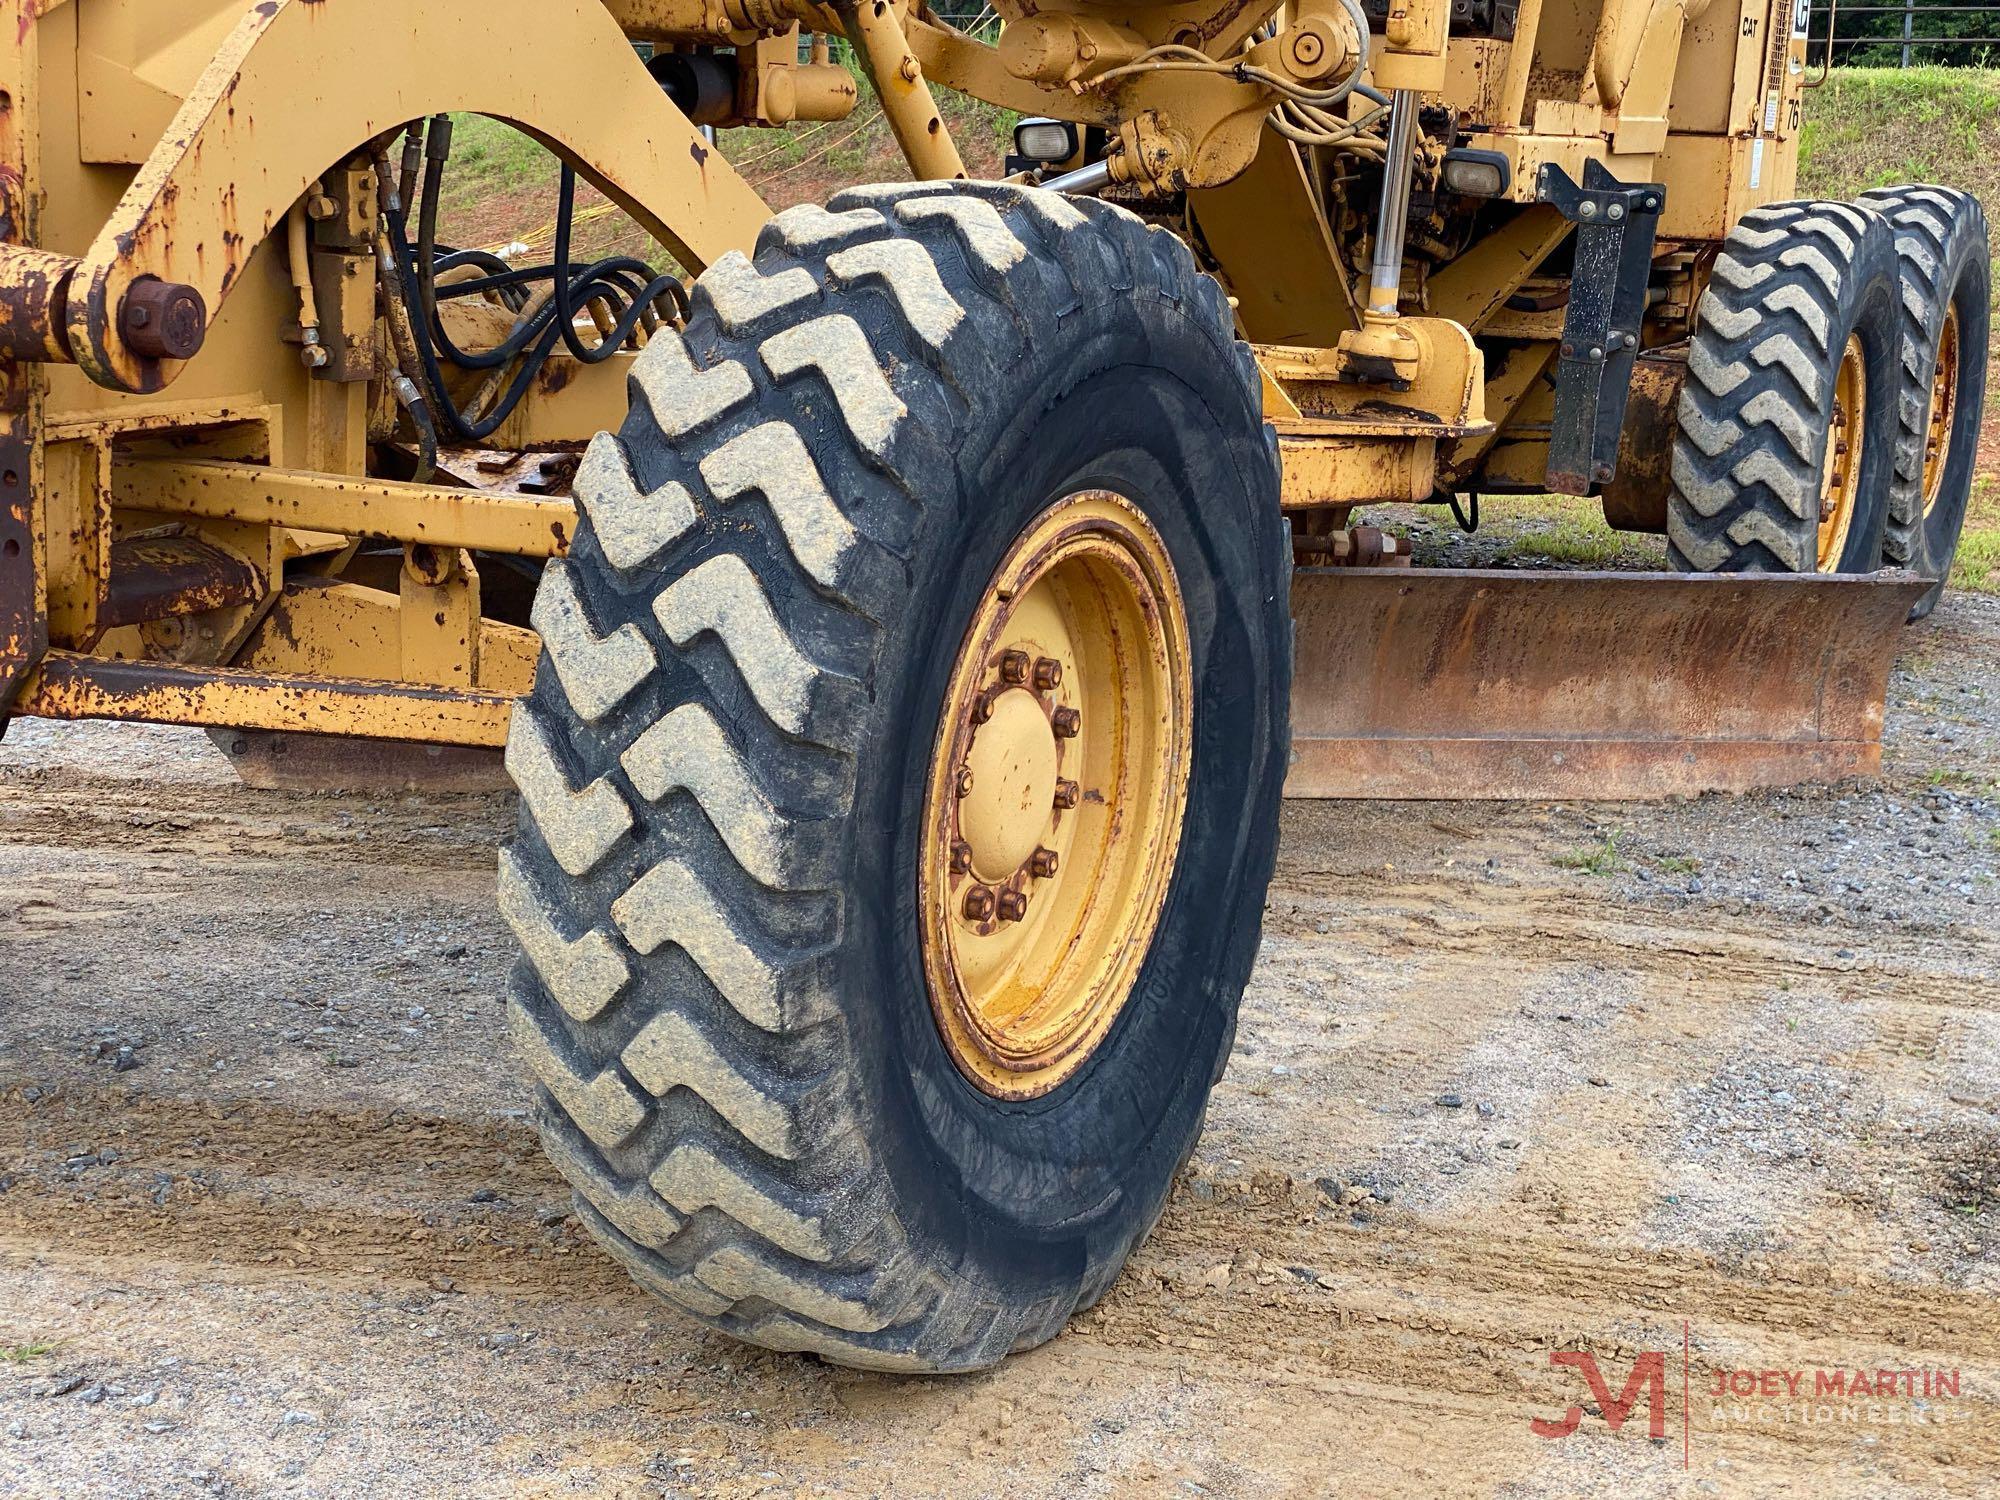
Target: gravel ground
column 1715, row 1078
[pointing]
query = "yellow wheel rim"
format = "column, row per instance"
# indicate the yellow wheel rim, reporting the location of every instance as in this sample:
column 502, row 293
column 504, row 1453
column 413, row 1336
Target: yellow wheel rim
column 1053, row 808
column 1943, row 407
column 1840, row 478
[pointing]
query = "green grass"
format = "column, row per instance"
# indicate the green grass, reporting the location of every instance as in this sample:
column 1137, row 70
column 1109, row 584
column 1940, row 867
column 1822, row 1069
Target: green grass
column 1598, row 859
column 1875, row 127
column 1977, row 566
column 20, row 1354
column 1677, row 864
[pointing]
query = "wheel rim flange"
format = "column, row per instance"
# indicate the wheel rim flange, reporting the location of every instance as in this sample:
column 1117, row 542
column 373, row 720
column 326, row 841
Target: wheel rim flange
column 1840, row 475
column 1942, row 411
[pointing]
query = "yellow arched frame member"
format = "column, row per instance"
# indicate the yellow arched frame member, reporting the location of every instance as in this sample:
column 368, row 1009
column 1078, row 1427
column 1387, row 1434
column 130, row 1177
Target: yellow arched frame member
column 300, row 84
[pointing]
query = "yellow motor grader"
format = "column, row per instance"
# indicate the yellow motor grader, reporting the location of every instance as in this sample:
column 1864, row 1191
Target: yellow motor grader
column 903, row 616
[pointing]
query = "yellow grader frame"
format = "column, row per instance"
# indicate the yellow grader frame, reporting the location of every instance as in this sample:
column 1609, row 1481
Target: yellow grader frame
column 205, row 471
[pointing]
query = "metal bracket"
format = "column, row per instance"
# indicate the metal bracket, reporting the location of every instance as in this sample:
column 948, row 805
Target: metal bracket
column 1615, row 225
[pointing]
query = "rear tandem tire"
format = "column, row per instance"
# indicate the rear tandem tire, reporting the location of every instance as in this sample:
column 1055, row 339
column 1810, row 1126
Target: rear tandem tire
column 724, row 764
column 1944, row 260
column 1799, row 291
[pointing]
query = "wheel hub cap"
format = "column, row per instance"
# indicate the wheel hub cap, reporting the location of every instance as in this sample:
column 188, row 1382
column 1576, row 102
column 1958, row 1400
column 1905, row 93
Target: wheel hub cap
column 1011, row 803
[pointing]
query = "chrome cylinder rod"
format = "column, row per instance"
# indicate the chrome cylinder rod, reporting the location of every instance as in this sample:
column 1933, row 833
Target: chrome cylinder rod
column 1385, row 271
column 1088, row 181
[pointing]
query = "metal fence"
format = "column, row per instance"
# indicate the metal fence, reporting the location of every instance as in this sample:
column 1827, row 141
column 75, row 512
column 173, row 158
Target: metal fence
column 1912, row 33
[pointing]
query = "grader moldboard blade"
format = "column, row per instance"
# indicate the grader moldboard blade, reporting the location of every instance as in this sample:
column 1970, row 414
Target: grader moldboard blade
column 1419, row 683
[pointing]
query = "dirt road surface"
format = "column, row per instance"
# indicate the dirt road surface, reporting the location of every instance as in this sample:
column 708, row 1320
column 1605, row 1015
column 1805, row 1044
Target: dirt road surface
column 1717, row 1079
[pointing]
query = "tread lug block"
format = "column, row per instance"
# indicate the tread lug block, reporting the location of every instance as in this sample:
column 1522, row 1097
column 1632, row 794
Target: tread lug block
column 632, row 526
column 809, row 229
column 835, row 348
column 604, row 1106
column 597, row 672
column 740, row 1071
column 722, row 597
column 583, row 974
column 579, row 824
column 682, row 397
column 741, row 296
column 689, row 751
column 671, row 903
column 633, row 1208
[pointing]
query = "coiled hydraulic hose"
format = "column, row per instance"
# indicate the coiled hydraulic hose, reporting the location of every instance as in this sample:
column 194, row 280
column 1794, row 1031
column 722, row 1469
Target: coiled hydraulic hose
column 625, row 297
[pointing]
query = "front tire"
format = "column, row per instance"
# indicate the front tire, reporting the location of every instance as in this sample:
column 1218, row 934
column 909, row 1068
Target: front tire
column 1787, row 420
column 719, row 878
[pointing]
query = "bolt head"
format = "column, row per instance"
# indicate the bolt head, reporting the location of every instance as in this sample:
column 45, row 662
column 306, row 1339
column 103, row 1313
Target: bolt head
column 982, row 708
column 1048, row 674
column 1615, row 211
column 978, row 904
column 162, row 319
column 1013, row 667
column 961, row 857
column 1042, row 863
column 1066, row 722
column 1586, row 210
column 965, row 781
column 1012, row 906
column 1068, row 794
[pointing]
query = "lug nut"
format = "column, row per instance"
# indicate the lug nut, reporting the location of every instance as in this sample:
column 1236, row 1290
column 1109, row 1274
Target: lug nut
column 982, row 708
column 961, row 857
column 1067, row 794
column 1012, row 906
column 1048, row 674
column 965, row 781
column 1066, row 722
column 1013, row 667
column 978, row 904
column 1042, row 863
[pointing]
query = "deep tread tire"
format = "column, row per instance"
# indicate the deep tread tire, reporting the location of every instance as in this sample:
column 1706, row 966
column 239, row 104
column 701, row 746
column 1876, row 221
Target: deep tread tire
column 723, row 759
column 1792, row 282
column 1944, row 261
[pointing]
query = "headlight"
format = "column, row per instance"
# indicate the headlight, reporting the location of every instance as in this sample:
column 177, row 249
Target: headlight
column 1045, row 141
column 1477, row 174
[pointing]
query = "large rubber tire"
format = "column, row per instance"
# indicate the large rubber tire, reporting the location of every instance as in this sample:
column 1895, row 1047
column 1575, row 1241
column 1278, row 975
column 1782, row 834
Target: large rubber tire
column 724, row 758
column 1945, row 264
column 1792, row 283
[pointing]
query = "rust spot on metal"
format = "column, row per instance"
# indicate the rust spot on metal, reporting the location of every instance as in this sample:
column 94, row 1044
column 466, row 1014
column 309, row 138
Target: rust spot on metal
column 34, row 304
